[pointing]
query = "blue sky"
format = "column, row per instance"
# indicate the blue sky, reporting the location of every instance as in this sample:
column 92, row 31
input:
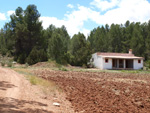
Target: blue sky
column 81, row 15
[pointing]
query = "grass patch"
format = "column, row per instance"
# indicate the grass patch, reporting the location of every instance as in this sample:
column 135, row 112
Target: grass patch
column 63, row 69
column 24, row 71
column 48, row 87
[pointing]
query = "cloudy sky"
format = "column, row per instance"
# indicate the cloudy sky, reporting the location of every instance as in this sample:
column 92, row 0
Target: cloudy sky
column 81, row 15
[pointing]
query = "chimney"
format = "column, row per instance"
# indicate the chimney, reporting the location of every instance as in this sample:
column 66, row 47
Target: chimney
column 130, row 51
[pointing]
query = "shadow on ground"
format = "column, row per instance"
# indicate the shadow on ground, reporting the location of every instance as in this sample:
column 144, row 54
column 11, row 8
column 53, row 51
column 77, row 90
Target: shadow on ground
column 4, row 85
column 11, row 105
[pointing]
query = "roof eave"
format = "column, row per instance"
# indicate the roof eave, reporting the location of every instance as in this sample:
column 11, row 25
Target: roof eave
column 118, row 57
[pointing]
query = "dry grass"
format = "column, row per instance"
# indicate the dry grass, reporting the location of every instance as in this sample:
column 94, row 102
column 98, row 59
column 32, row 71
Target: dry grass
column 24, row 71
column 48, row 87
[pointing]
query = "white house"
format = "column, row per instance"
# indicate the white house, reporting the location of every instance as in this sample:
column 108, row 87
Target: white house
column 117, row 60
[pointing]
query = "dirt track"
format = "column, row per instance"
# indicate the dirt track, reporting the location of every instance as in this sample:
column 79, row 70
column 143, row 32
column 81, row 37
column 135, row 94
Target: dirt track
column 17, row 95
column 102, row 92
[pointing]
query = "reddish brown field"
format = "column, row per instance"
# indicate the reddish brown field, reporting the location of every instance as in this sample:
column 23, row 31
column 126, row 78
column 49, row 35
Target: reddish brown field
column 101, row 92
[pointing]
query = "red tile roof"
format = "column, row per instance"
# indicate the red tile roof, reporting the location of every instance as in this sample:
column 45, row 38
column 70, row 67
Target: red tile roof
column 114, row 54
column 118, row 55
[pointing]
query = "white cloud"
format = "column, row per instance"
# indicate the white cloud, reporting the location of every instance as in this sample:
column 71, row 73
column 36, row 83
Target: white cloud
column 10, row 12
column 135, row 10
column 86, row 32
column 74, row 22
column 72, row 26
column 70, row 6
column 104, row 4
column 2, row 16
column 132, row 10
column 115, row 11
column 51, row 20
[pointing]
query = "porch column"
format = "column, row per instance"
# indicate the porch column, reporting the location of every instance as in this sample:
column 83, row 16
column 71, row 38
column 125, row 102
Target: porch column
column 117, row 63
column 124, row 63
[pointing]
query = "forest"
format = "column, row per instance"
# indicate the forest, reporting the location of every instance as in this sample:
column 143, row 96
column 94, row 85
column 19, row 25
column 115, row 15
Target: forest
column 24, row 39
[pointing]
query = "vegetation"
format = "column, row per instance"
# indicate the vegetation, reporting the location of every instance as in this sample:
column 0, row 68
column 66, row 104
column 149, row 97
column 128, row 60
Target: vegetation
column 47, row 86
column 2, row 63
column 6, row 61
column 9, row 64
column 25, row 39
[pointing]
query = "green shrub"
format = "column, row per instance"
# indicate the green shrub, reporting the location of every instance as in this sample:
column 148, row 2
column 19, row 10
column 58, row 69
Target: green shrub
column 3, row 63
column 63, row 69
column 84, row 66
column 9, row 64
column 36, row 56
column 21, row 58
column 26, row 65
column 148, row 63
column 58, row 65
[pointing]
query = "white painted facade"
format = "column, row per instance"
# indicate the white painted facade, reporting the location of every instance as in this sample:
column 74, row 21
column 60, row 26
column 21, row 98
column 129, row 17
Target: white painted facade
column 137, row 65
column 97, row 61
column 100, row 62
column 107, row 65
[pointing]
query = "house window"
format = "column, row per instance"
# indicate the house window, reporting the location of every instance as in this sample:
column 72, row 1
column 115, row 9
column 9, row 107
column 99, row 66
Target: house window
column 106, row 60
column 139, row 61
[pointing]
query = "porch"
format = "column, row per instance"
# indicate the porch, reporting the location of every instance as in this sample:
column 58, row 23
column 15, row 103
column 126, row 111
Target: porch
column 122, row 64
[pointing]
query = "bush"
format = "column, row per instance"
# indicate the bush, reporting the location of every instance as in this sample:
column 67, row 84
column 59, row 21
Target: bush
column 58, row 65
column 63, row 69
column 3, row 63
column 36, row 56
column 21, row 58
column 26, row 65
column 147, row 64
column 9, row 64
column 4, row 51
column 84, row 66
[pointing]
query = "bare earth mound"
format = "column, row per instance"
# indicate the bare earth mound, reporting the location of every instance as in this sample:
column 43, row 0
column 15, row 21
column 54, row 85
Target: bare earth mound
column 100, row 92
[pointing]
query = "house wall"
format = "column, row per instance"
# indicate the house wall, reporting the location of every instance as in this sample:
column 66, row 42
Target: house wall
column 107, row 65
column 97, row 61
column 137, row 65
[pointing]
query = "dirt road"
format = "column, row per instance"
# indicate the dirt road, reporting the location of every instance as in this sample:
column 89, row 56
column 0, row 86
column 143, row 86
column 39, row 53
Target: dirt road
column 17, row 95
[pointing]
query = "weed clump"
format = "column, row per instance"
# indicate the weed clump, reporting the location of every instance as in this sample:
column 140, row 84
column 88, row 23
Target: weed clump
column 3, row 63
column 9, row 64
column 63, row 69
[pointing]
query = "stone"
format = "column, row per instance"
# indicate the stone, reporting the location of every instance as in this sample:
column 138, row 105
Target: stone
column 56, row 104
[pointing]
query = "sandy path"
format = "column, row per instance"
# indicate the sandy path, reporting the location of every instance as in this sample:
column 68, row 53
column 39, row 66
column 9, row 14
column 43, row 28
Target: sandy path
column 17, row 95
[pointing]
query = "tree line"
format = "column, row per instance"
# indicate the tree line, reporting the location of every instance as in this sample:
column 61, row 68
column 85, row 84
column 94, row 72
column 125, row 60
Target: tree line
column 25, row 39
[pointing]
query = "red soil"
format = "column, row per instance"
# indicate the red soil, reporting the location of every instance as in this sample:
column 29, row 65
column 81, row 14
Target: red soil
column 100, row 92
